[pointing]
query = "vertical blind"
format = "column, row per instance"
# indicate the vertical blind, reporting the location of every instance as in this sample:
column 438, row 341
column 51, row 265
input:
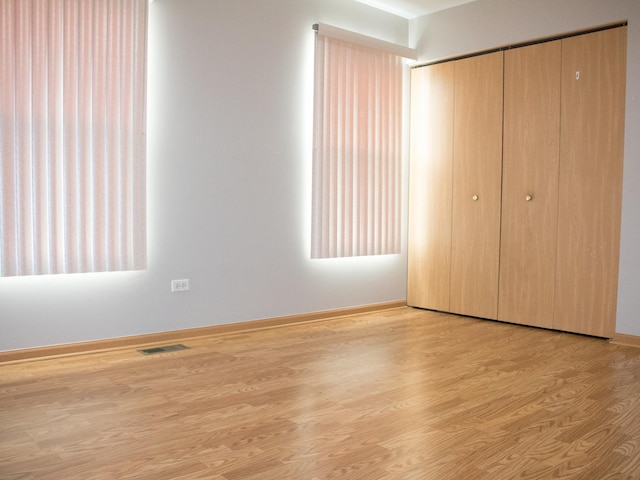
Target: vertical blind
column 72, row 141
column 357, row 150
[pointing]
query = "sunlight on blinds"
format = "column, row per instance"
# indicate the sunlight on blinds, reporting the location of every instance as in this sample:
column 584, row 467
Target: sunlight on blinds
column 357, row 150
column 72, row 140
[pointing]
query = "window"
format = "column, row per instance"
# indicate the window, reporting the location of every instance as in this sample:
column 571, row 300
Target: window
column 72, row 142
column 357, row 148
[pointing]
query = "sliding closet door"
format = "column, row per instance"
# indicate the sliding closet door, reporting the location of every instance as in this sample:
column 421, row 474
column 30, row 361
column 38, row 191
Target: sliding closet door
column 477, row 166
column 530, row 184
column 591, row 157
column 430, row 186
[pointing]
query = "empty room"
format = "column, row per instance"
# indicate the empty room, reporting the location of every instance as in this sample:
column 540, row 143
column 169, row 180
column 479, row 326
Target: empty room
column 319, row 239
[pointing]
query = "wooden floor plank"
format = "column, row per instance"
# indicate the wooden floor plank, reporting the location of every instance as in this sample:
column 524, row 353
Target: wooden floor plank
column 395, row 395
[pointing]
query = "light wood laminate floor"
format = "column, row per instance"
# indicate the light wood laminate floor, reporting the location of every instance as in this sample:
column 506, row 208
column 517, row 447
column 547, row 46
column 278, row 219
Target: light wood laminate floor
column 398, row 395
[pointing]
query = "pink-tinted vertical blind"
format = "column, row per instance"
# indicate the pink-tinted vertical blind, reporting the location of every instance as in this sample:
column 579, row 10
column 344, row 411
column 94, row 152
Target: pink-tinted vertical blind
column 72, row 143
column 357, row 150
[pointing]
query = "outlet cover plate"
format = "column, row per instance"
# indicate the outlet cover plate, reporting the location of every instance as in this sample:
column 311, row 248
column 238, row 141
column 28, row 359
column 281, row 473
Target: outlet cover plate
column 180, row 285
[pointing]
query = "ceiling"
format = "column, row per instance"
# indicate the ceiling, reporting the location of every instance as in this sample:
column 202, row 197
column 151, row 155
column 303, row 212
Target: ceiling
column 413, row 8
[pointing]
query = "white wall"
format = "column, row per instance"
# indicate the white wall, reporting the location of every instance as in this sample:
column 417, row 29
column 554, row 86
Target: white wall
column 229, row 152
column 487, row 24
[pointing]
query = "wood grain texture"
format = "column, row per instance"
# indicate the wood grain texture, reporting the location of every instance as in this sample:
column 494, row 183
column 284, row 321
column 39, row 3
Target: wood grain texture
column 404, row 394
column 430, row 183
column 590, row 195
column 477, row 170
column 530, row 168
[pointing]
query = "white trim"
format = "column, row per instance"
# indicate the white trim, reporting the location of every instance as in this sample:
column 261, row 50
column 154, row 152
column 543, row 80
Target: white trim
column 365, row 41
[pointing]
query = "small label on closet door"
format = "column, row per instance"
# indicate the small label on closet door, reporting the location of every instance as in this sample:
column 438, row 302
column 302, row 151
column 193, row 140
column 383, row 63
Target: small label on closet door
column 578, row 75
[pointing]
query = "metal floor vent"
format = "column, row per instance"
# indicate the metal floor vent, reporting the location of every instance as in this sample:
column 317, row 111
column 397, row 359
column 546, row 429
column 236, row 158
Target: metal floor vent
column 168, row 348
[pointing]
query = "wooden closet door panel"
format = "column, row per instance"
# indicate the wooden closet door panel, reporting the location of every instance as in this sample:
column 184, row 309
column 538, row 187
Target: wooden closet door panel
column 591, row 157
column 477, row 165
column 430, row 186
column 530, row 184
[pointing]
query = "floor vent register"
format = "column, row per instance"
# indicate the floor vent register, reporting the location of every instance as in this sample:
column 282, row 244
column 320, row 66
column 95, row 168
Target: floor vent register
column 165, row 349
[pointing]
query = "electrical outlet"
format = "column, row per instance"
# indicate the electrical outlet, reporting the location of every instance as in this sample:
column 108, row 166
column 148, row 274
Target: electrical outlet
column 180, row 285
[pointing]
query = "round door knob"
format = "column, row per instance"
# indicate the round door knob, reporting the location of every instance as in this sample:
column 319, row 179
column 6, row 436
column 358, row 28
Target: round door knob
column 528, row 198
column 474, row 198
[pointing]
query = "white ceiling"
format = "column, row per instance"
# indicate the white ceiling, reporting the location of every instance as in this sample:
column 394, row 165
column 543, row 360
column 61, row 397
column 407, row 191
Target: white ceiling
column 413, row 8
